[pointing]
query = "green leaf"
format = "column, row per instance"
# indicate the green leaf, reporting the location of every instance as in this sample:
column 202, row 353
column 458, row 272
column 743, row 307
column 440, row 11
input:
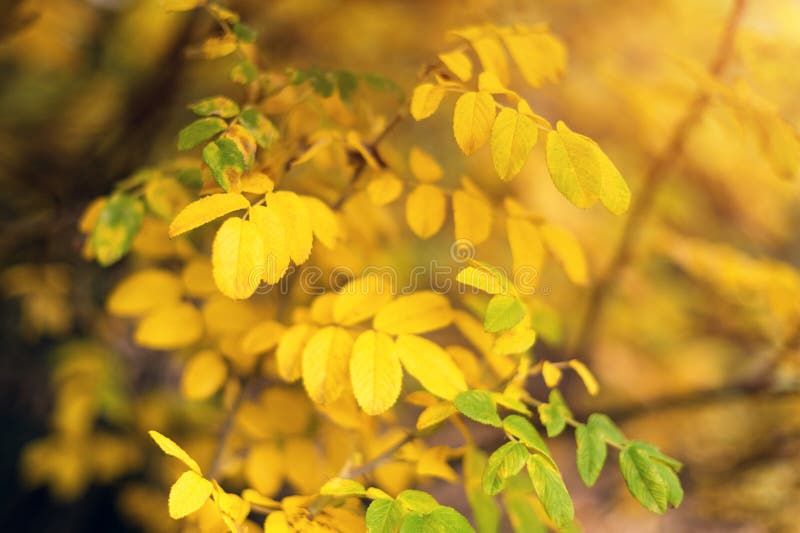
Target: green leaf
column 521, row 429
column 417, row 501
column 321, row 84
column 479, row 406
column 485, row 511
column 245, row 33
column 550, row 489
column 217, row 105
column 346, row 83
column 674, row 489
column 380, row 83
column 505, row 462
column 445, row 520
column 607, row 428
column 554, row 414
column 655, row 453
column 583, row 173
column 522, row 514
column 191, row 177
column 503, row 313
column 384, row 516
column 591, row 452
column 263, row 130
column 225, row 161
column 200, row 130
column 413, row 523
column 244, row 72
column 643, row 478
column 116, row 227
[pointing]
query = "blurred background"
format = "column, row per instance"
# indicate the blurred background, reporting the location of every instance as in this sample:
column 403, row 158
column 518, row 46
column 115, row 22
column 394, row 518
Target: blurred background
column 697, row 346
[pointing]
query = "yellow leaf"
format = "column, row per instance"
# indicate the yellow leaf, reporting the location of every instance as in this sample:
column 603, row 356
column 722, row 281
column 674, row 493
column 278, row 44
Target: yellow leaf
column 384, row 188
column 90, row 215
column 425, row 210
column 205, row 210
column 324, row 222
column 472, row 216
column 188, row 494
column 297, row 222
column 219, row 46
column 513, row 137
column 203, row 375
column 277, row 522
column 198, row 278
column 516, row 340
column 325, row 364
column 431, row 366
column 484, row 278
column 375, row 372
column 361, row 298
column 416, row 313
column 458, row 63
column 170, row 327
column 262, row 338
column 143, row 291
column 179, row 5
column 273, row 235
column 467, row 361
column 435, row 414
column 166, row 196
column 256, row 183
column 322, row 308
column 289, row 354
column 425, row 100
column 433, row 462
column 586, row 376
column 551, row 374
column 473, row 117
column 538, row 54
column 566, row 249
column 527, row 252
column 237, row 258
column 583, row 173
column 264, row 468
column 473, row 331
column 489, row 51
column 169, row 447
column 424, row 166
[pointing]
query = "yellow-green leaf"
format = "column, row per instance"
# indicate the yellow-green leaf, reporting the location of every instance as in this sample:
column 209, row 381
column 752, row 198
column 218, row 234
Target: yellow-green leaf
column 205, row 210
column 375, row 372
column 485, row 279
column 326, row 357
column 431, row 366
column 473, row 117
column 513, row 137
column 237, row 257
column 188, row 494
column 583, row 173
column 416, row 313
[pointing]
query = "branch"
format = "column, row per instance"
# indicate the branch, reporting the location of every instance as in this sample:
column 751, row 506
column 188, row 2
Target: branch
column 650, row 187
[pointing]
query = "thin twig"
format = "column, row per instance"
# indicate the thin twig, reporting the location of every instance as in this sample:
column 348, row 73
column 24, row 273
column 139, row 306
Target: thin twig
column 227, row 427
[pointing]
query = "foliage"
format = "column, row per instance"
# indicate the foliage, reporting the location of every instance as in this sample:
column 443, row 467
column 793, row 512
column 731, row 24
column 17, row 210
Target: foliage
column 312, row 383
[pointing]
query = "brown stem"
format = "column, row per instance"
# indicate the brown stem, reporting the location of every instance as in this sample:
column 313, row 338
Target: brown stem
column 227, row 427
column 650, row 186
